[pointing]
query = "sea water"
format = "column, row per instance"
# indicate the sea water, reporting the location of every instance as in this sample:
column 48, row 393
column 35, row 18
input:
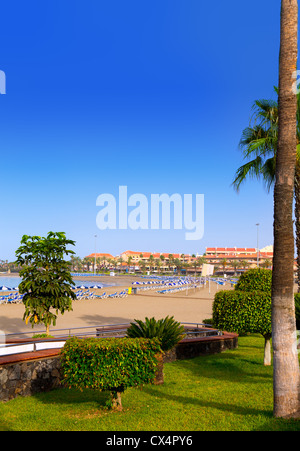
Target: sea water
column 14, row 281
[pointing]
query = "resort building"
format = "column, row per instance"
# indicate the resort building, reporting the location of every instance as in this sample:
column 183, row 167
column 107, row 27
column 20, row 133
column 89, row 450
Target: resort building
column 224, row 259
column 145, row 256
column 246, row 256
column 139, row 260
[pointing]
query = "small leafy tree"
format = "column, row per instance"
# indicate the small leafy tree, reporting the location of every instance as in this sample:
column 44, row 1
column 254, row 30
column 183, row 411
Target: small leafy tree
column 256, row 279
column 109, row 364
column 243, row 312
column 248, row 307
column 47, row 282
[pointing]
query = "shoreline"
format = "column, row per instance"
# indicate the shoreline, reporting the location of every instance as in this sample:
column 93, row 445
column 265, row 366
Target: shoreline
column 192, row 306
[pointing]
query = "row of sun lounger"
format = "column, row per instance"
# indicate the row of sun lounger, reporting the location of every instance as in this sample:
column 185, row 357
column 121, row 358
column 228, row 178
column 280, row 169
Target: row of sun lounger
column 161, row 285
column 176, row 289
column 146, row 288
column 91, row 295
column 11, row 298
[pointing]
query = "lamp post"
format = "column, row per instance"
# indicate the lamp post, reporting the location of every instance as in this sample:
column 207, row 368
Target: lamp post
column 95, row 255
column 257, row 246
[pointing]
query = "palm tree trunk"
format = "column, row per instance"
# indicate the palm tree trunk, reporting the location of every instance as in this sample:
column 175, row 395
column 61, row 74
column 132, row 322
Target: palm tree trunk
column 285, row 358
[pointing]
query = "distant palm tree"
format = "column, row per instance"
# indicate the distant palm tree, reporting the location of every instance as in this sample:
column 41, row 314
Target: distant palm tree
column 119, row 262
column 245, row 264
column 198, row 262
column 224, row 264
column 158, row 264
column 75, row 263
column 235, row 264
column 162, row 259
column 178, row 264
column 151, row 262
column 142, row 265
column 266, row 264
column 87, row 262
column 171, row 261
column 130, row 258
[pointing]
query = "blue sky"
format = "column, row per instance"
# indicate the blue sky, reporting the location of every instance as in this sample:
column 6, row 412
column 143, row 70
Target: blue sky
column 153, row 95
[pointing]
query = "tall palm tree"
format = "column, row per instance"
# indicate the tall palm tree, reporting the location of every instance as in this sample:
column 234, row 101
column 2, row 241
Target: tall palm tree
column 198, row 262
column 259, row 145
column 142, row 265
column 286, row 378
column 266, row 264
column 162, row 259
column 150, row 262
column 171, row 261
column 158, row 264
column 235, row 264
column 178, row 265
column 224, row 264
column 245, row 264
column 87, row 262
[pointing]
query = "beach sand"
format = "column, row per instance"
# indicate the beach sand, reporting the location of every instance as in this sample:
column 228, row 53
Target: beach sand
column 191, row 306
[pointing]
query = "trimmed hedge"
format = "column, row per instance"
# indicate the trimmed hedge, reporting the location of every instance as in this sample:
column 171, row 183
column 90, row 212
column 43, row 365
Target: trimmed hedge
column 109, row 364
column 256, row 279
column 242, row 311
column 248, row 308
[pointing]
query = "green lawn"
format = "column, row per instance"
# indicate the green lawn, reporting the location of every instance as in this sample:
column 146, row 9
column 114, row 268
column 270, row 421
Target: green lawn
column 228, row 391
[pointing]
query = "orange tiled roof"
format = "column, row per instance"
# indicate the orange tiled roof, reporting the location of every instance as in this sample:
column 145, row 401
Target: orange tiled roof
column 98, row 255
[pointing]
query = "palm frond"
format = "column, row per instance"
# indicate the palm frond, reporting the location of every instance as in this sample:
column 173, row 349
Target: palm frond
column 258, row 141
column 268, row 172
column 252, row 169
column 167, row 330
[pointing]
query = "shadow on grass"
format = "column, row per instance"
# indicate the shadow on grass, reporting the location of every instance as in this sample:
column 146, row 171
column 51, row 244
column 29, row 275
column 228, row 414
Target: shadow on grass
column 188, row 401
column 268, row 422
column 229, row 366
column 66, row 396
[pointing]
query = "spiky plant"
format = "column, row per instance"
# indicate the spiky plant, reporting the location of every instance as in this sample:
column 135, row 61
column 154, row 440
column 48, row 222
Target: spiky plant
column 169, row 331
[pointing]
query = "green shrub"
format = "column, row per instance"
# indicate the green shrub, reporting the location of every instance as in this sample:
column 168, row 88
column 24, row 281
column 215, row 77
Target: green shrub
column 257, row 279
column 42, row 336
column 111, row 364
column 167, row 330
column 297, row 309
column 242, row 312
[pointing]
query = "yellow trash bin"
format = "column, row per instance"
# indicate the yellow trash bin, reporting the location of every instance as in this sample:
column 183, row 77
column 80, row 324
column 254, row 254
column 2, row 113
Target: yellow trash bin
column 129, row 290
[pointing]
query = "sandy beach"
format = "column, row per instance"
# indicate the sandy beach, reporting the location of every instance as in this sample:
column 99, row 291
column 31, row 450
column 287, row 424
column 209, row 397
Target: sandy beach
column 193, row 306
